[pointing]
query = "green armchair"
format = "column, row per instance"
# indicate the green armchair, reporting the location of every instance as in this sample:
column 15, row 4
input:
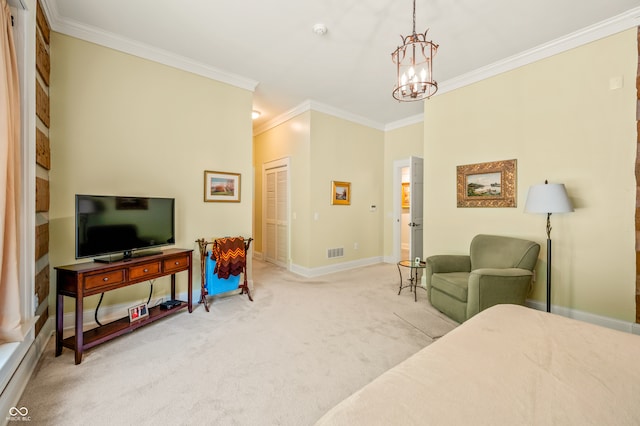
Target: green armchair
column 497, row 270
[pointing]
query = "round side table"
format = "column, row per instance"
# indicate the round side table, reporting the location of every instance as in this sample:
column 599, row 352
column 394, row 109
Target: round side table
column 413, row 276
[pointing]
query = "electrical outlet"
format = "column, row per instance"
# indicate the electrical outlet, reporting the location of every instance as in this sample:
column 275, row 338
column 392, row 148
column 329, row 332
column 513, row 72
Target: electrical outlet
column 355, row 246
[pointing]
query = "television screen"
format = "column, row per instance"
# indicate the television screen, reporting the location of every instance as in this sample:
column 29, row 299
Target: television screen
column 107, row 224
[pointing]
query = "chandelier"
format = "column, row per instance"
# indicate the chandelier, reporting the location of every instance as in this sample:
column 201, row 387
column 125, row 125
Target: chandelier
column 414, row 61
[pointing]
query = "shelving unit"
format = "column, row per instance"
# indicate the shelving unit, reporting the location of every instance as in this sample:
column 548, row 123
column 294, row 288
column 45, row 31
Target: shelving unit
column 85, row 279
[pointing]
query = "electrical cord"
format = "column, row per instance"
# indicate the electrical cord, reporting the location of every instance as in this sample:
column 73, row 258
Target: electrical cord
column 150, row 291
column 95, row 316
column 98, row 307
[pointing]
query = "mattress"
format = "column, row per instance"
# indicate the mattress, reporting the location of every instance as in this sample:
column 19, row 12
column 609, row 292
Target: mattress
column 508, row 365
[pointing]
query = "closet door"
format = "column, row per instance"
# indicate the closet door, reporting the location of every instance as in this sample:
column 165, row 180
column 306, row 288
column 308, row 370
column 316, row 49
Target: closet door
column 276, row 224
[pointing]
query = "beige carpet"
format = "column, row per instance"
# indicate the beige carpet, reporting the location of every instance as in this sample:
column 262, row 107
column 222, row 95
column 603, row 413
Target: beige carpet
column 302, row 346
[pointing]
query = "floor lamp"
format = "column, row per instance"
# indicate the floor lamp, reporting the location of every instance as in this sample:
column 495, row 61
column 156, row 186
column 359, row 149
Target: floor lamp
column 548, row 198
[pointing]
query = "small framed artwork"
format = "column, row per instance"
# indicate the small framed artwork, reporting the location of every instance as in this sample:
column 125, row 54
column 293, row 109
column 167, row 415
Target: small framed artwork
column 487, row 184
column 406, row 195
column 340, row 193
column 138, row 312
column 221, row 187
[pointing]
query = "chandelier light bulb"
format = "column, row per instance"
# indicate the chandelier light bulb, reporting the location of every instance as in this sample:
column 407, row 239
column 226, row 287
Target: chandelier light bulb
column 414, row 60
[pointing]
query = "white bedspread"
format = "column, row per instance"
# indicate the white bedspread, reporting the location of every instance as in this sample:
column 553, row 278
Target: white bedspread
column 508, row 365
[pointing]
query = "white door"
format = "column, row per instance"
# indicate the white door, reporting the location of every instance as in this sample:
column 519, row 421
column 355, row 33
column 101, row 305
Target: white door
column 275, row 212
column 416, row 211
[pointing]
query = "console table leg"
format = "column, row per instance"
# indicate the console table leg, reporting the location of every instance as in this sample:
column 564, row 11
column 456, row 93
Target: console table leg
column 59, row 323
column 190, row 288
column 79, row 329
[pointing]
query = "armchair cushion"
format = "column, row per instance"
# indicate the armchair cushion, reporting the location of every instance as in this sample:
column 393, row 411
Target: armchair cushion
column 497, row 270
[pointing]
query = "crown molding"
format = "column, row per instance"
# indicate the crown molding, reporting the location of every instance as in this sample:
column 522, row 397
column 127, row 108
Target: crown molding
column 616, row 24
column 311, row 105
column 142, row 50
column 414, row 119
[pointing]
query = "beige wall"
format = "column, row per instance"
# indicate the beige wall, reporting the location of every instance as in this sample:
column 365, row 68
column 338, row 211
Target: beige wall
column 561, row 121
column 399, row 144
column 127, row 126
column 289, row 140
column 345, row 151
column 322, row 148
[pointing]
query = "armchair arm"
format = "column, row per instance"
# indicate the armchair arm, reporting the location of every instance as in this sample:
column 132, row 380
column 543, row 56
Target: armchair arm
column 489, row 286
column 448, row 263
column 444, row 263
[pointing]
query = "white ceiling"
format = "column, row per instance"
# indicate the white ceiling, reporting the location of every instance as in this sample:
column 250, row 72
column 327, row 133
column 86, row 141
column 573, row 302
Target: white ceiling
column 269, row 45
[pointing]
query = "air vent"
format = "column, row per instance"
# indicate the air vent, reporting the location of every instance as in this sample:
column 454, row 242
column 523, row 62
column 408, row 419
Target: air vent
column 335, row 252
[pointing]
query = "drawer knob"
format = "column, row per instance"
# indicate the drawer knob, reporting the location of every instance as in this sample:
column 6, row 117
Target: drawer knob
column 145, row 270
column 176, row 263
column 105, row 279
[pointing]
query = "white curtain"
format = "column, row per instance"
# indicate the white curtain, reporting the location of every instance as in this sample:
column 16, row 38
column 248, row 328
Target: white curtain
column 10, row 320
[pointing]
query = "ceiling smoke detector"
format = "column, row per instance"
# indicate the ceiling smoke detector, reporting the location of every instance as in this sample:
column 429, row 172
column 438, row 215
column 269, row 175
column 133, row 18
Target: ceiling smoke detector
column 320, row 29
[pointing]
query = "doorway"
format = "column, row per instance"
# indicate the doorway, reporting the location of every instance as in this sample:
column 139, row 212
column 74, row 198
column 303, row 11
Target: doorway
column 408, row 188
column 275, row 212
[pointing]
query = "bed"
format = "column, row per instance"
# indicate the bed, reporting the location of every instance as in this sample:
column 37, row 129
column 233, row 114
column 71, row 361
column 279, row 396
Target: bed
column 508, row 365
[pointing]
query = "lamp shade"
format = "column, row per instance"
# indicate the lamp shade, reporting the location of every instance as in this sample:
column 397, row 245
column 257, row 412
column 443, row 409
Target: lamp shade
column 548, row 198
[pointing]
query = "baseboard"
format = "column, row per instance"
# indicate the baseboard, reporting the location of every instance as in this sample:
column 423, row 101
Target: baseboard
column 18, row 382
column 338, row 267
column 615, row 324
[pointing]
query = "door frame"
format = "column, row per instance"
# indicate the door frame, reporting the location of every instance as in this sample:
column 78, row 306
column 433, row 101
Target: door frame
column 398, row 165
column 274, row 164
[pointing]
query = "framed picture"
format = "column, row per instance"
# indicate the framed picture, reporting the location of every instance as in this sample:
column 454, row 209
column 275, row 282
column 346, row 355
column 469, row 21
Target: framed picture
column 340, row 192
column 138, row 312
column 221, row 187
column 406, row 195
column 487, row 184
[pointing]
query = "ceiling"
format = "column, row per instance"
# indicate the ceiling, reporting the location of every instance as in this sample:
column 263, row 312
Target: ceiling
column 270, row 46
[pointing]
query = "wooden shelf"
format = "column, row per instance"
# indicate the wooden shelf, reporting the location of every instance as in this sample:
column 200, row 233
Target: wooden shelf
column 106, row 332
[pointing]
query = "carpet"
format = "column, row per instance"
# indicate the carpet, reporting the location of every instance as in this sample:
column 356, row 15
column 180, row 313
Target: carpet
column 301, row 347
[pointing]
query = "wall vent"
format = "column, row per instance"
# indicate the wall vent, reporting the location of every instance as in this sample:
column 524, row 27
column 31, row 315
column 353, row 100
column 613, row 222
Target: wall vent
column 335, row 252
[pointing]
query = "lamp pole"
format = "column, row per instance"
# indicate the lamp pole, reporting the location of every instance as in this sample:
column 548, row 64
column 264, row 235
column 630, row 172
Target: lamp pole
column 548, row 262
column 548, row 198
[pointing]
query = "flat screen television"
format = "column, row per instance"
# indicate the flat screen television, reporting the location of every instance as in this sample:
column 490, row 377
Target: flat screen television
column 122, row 227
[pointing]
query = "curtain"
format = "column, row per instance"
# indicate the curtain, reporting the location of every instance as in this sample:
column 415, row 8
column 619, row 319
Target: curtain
column 10, row 320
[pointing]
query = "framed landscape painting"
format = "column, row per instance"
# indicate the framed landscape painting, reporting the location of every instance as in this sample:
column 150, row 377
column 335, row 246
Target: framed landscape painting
column 221, row 187
column 340, row 193
column 490, row 184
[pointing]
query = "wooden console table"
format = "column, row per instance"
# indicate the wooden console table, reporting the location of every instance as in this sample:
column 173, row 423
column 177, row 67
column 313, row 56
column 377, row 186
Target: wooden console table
column 86, row 279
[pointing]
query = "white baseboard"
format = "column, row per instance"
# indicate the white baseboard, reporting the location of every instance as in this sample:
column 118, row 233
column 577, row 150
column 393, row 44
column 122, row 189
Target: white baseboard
column 18, row 382
column 615, row 324
column 338, row 267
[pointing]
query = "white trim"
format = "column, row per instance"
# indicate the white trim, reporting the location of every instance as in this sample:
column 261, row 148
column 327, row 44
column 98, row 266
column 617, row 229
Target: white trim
column 398, row 165
column 414, row 119
column 323, row 270
column 616, row 24
column 142, row 50
column 29, row 357
column 591, row 33
column 12, row 355
column 600, row 320
column 309, row 105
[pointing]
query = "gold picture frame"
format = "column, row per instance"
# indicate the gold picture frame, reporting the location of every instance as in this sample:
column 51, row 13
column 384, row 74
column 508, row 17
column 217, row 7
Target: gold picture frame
column 221, row 187
column 406, row 195
column 490, row 184
column 340, row 193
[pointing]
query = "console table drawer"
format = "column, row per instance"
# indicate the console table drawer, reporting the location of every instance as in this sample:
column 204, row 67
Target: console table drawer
column 176, row 263
column 143, row 270
column 105, row 279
